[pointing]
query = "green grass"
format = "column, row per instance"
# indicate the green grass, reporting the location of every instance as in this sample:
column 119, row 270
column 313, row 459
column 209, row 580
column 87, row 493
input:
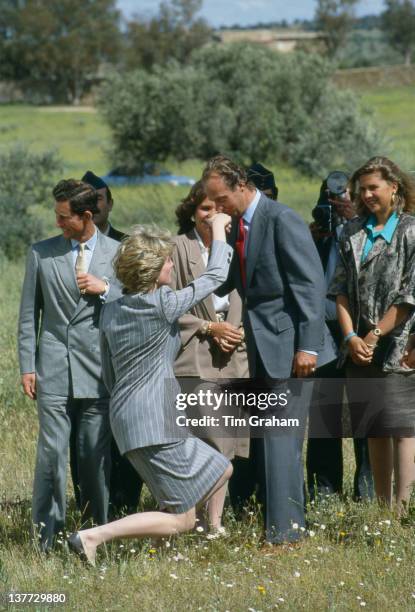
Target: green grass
column 394, row 111
column 82, row 141
column 358, row 553
column 80, row 137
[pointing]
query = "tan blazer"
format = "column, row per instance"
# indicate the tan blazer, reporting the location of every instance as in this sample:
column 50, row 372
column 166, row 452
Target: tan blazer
column 200, row 356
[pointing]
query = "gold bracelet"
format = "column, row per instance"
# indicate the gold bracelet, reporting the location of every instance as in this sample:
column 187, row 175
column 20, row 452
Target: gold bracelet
column 203, row 330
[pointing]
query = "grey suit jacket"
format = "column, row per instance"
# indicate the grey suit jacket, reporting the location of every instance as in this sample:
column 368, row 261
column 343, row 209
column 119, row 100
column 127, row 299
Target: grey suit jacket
column 139, row 343
column 285, row 294
column 58, row 327
column 200, row 356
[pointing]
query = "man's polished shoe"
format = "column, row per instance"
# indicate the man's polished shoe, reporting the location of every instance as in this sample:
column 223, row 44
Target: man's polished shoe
column 75, row 545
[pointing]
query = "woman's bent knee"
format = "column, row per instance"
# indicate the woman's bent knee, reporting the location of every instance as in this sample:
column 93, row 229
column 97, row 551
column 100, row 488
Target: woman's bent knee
column 228, row 472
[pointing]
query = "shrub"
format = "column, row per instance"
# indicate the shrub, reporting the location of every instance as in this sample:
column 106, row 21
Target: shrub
column 245, row 101
column 26, row 180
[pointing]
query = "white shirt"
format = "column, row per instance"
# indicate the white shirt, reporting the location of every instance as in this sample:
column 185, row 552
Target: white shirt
column 221, row 304
column 248, row 215
column 89, row 249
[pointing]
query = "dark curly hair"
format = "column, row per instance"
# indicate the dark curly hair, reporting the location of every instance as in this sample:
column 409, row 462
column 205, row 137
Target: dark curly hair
column 187, row 208
column 390, row 172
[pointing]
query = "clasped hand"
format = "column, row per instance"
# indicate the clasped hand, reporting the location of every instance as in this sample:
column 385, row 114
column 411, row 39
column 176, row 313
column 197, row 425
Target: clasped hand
column 361, row 349
column 90, row 284
column 226, row 336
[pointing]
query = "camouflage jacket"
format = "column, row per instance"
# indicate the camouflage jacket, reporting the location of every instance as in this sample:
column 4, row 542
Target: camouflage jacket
column 385, row 278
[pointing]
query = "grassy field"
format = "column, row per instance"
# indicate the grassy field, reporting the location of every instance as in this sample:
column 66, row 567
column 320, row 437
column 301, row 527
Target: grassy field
column 356, row 556
column 393, row 109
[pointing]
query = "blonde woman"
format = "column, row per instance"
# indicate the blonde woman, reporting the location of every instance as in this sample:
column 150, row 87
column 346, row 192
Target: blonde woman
column 375, row 288
column 212, row 337
column 139, row 343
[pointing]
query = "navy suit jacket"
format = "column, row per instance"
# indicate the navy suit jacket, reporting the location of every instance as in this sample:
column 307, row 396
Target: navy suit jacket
column 284, row 297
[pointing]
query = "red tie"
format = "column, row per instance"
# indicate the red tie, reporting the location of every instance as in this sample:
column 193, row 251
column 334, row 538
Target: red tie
column 240, row 249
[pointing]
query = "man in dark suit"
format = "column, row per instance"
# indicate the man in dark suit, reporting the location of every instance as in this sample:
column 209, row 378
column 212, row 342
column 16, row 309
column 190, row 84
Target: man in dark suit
column 125, row 484
column 248, row 471
column 105, row 205
column 324, row 454
column 277, row 270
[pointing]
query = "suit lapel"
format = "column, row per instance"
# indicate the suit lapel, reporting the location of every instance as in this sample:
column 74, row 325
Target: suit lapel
column 255, row 238
column 357, row 241
column 378, row 248
column 197, row 268
column 63, row 261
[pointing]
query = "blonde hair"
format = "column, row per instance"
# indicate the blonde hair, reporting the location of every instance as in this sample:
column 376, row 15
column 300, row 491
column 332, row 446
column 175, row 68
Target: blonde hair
column 404, row 200
column 141, row 256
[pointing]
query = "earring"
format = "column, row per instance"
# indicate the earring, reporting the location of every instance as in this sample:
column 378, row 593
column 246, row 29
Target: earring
column 393, row 197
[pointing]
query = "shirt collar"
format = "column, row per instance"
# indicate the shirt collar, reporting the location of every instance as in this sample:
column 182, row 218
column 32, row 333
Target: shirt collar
column 90, row 244
column 388, row 229
column 249, row 213
column 107, row 231
column 203, row 248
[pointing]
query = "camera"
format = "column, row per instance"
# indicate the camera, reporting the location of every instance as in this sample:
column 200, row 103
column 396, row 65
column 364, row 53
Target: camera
column 334, row 187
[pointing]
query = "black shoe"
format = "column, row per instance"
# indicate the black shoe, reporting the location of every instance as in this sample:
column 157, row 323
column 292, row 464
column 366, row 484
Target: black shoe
column 75, row 545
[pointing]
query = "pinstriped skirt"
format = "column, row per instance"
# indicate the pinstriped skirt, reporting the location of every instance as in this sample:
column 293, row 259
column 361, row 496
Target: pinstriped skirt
column 179, row 474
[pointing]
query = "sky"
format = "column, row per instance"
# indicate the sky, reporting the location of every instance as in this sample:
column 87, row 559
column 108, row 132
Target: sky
column 247, row 12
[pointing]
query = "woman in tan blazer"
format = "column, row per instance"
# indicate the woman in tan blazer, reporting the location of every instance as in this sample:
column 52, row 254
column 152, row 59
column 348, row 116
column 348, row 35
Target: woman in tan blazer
column 211, row 332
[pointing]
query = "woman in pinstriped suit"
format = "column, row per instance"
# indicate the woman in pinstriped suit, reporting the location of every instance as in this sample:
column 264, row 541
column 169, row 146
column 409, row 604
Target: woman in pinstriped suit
column 139, row 342
column 211, row 333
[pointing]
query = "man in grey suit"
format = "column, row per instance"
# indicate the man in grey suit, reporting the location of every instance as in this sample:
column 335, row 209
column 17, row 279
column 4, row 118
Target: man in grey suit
column 67, row 280
column 278, row 273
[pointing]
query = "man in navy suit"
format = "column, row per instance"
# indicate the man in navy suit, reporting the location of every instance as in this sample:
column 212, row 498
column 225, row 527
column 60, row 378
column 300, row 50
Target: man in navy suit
column 278, row 273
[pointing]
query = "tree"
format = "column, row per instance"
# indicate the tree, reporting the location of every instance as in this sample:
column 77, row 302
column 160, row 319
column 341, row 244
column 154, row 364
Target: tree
column 335, row 19
column 398, row 23
column 54, row 48
column 241, row 100
column 26, row 180
column 173, row 34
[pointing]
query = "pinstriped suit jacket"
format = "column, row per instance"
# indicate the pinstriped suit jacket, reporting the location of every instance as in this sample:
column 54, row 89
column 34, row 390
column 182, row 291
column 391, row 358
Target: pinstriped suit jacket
column 139, row 343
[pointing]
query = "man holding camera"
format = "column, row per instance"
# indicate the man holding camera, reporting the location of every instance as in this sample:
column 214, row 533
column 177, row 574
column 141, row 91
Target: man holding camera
column 324, row 452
